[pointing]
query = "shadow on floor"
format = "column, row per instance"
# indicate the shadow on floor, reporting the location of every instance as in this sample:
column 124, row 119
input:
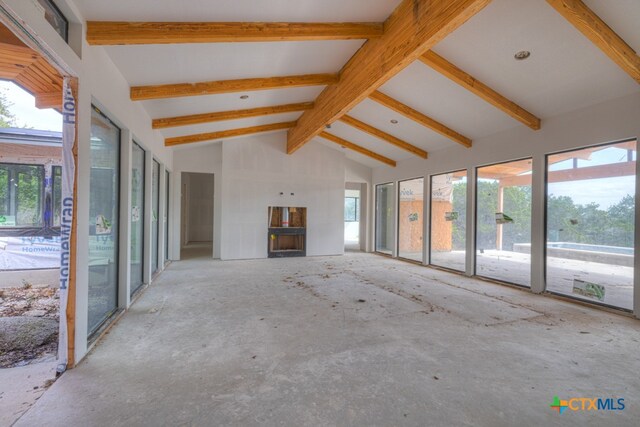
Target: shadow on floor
column 196, row 251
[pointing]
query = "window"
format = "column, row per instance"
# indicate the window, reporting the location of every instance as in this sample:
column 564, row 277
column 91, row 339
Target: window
column 155, row 209
column 21, row 195
column 503, row 222
column 54, row 16
column 104, row 205
column 137, row 217
column 385, row 205
column 410, row 218
column 351, row 209
column 56, row 192
column 166, row 216
column 449, row 220
column 591, row 223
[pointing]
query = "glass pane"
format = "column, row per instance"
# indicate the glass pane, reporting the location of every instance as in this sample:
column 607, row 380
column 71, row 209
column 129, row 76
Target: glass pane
column 30, row 180
column 503, row 222
column 21, row 192
column 384, row 218
column 53, row 15
column 351, row 209
column 449, row 220
column 591, row 224
column 57, row 194
column 155, row 194
column 4, row 193
column 104, row 203
column 137, row 217
column 410, row 221
column 166, row 218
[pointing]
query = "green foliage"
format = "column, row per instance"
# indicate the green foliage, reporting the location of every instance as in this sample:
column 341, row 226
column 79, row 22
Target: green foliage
column 567, row 221
column 7, row 118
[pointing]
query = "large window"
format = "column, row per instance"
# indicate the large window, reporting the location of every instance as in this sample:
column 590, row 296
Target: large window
column 591, row 223
column 104, row 198
column 21, row 195
column 56, row 194
column 166, row 216
column 503, row 222
column 54, row 16
column 351, row 209
column 155, row 209
column 137, row 217
column 410, row 218
column 385, row 202
column 449, row 220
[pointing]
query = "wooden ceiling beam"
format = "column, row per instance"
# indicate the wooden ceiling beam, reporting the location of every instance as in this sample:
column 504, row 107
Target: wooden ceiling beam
column 420, row 118
column 49, row 100
column 414, row 27
column 195, row 119
column 132, row 33
column 475, row 86
column 212, row 136
column 141, row 93
column 352, row 121
column 351, row 146
column 595, row 29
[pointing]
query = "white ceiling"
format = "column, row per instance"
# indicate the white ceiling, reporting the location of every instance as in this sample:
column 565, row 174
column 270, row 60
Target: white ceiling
column 565, row 71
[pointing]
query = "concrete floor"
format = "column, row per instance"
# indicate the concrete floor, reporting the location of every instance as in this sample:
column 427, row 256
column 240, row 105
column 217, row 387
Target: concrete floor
column 288, row 342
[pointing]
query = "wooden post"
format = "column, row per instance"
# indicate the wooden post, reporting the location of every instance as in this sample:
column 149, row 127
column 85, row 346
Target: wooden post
column 71, row 290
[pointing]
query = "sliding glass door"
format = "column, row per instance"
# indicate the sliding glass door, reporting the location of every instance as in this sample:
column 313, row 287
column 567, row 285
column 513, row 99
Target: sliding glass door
column 503, row 222
column 155, row 209
column 410, row 218
column 449, row 220
column 385, row 201
column 591, row 223
column 166, row 217
column 104, row 198
column 137, row 217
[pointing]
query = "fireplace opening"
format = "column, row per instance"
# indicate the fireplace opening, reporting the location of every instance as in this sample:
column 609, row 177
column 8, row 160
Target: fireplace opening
column 287, row 231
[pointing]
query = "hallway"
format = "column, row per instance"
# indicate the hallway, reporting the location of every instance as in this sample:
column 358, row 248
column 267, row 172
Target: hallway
column 353, row 340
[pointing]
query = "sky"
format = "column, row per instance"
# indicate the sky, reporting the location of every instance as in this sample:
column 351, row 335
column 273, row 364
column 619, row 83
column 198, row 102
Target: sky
column 25, row 111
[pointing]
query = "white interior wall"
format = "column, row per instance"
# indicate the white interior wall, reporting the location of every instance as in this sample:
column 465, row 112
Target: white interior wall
column 256, row 170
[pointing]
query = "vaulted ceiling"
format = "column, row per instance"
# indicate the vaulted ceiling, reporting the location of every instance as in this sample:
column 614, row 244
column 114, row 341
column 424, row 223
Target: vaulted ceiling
column 421, row 109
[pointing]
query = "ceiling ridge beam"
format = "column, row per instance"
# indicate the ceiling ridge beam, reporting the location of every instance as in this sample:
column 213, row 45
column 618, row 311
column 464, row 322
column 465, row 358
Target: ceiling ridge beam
column 194, row 119
column 420, row 118
column 141, row 93
column 351, row 146
column 595, row 29
column 414, row 27
column 480, row 89
column 104, row 33
column 352, row 121
column 210, row 136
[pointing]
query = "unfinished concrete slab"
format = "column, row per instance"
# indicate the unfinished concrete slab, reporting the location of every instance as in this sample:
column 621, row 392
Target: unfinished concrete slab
column 354, row 340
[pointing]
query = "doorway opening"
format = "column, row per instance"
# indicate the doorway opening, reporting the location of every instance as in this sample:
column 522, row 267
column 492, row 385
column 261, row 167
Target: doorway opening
column 197, row 215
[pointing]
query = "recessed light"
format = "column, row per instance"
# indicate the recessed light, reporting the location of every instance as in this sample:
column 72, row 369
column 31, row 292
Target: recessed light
column 522, row 55
column 244, row 97
column 394, row 121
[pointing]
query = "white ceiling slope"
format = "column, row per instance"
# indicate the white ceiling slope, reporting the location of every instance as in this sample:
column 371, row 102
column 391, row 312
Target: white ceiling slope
column 565, row 71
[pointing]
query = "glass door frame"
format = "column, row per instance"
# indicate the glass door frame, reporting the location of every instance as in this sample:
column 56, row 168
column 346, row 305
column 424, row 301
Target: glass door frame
column 375, row 225
column 429, row 251
column 636, row 262
column 424, row 199
column 475, row 220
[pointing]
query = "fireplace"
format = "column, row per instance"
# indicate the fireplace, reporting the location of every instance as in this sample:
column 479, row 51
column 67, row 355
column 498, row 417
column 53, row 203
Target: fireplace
column 287, row 232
